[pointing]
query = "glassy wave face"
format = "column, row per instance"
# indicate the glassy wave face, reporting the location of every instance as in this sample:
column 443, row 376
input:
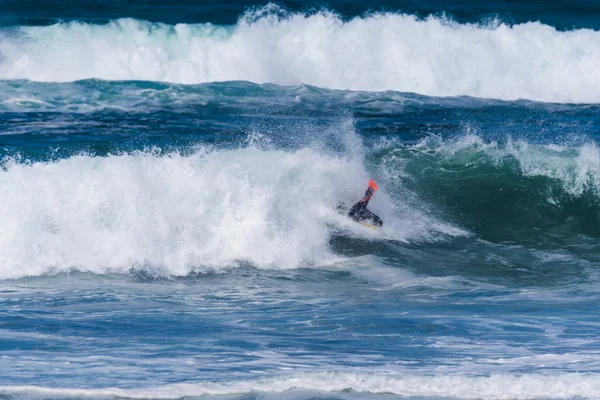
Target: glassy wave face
column 170, row 195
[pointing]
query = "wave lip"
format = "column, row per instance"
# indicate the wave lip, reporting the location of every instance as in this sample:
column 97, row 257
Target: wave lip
column 380, row 51
column 495, row 387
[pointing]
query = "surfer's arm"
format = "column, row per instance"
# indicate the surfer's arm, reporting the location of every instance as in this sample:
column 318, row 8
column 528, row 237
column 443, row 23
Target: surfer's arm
column 369, row 193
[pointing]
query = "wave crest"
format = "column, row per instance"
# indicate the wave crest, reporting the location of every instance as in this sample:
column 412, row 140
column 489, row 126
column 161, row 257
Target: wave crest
column 381, row 51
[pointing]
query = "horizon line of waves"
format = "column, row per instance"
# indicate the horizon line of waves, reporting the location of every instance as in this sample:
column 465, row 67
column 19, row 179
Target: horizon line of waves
column 493, row 387
column 379, row 51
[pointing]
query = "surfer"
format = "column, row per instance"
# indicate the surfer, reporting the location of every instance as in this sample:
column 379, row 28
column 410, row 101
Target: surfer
column 359, row 211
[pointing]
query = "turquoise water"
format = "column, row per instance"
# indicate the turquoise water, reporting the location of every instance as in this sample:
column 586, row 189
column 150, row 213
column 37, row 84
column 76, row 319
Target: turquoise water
column 169, row 182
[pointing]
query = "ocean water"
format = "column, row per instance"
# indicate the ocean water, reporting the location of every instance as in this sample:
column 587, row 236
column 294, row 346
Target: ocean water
column 169, row 180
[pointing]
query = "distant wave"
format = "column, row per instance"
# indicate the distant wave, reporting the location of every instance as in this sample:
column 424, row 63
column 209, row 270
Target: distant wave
column 495, row 387
column 381, row 51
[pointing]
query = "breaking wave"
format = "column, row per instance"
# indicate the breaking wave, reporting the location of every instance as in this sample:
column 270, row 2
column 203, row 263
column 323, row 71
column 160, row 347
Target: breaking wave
column 178, row 213
column 379, row 51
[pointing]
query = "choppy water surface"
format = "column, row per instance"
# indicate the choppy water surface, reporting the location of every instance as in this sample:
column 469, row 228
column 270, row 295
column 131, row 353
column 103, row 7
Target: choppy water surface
column 169, row 185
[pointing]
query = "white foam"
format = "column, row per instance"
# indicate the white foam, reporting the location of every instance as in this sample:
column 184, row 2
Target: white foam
column 173, row 214
column 381, row 51
column 494, row 387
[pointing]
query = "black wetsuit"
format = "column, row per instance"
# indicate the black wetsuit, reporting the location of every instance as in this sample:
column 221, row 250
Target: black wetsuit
column 359, row 211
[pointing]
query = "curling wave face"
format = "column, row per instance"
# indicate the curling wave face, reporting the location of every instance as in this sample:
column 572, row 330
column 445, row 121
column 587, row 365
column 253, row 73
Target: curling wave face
column 379, row 51
column 511, row 188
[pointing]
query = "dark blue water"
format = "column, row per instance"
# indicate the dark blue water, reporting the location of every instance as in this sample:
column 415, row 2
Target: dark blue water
column 170, row 176
column 560, row 14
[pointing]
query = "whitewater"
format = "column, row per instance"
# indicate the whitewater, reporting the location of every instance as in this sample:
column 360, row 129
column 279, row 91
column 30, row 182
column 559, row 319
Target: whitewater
column 433, row 56
column 142, row 210
column 315, row 383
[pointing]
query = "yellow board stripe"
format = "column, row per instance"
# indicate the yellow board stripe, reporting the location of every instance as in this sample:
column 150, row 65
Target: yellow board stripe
column 370, row 226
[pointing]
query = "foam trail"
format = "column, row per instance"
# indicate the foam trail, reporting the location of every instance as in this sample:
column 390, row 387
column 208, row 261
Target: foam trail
column 495, row 387
column 382, row 51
